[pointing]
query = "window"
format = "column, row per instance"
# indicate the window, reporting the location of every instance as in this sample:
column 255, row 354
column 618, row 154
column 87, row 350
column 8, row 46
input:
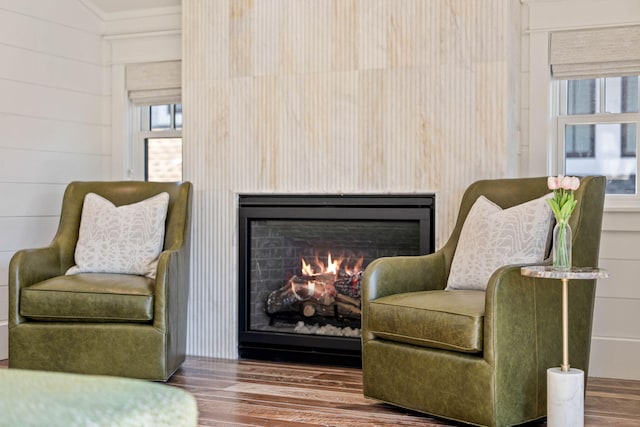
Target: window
column 161, row 137
column 597, row 124
column 154, row 123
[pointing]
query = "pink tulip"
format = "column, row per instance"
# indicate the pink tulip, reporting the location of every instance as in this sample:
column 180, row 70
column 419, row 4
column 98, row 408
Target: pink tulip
column 570, row 183
column 575, row 183
column 562, row 182
column 554, row 182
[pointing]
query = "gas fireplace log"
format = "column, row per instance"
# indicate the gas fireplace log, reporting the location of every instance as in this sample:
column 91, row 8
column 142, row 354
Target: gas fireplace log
column 313, row 296
column 348, row 300
column 322, row 278
column 348, row 310
column 310, row 309
column 349, row 284
column 282, row 299
column 297, row 290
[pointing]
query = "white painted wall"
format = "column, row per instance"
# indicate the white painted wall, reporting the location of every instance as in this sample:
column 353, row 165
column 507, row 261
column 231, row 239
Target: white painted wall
column 615, row 346
column 60, row 119
column 54, row 123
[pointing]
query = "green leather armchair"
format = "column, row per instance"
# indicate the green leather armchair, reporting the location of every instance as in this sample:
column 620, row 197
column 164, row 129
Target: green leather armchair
column 146, row 334
column 515, row 325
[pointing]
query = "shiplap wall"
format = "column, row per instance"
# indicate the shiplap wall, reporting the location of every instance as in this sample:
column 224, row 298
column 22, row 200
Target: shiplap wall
column 53, row 118
column 615, row 346
column 335, row 96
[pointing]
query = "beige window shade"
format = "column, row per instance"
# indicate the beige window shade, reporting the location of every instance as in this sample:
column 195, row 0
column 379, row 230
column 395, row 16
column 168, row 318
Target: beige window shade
column 154, row 82
column 600, row 52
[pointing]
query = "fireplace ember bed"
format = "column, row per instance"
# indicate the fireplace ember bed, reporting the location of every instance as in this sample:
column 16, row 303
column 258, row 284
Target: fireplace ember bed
column 301, row 263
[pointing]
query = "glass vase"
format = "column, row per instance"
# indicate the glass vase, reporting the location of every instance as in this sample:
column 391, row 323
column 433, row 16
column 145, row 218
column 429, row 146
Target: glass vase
column 561, row 252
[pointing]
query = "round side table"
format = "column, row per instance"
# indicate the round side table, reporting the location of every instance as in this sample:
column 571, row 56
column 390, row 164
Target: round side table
column 565, row 385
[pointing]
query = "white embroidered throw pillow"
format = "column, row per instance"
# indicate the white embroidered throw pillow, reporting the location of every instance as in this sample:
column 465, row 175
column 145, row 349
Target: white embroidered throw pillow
column 492, row 237
column 125, row 239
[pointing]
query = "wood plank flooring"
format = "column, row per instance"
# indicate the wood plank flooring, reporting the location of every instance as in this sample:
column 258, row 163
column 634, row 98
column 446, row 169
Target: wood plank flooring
column 257, row 393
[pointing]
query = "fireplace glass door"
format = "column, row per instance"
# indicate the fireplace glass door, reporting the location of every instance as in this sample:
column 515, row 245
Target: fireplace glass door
column 301, row 264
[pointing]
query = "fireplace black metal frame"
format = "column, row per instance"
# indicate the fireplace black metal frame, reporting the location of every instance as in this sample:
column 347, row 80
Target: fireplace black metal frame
column 325, row 349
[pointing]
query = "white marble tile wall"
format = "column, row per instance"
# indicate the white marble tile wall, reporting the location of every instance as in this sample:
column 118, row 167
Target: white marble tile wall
column 335, row 96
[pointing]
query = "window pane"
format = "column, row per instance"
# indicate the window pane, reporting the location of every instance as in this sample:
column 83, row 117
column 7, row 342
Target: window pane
column 582, row 97
column 580, row 140
column 178, row 116
column 628, row 140
column 621, row 94
column 160, row 117
column 164, row 159
column 614, row 157
column 630, row 94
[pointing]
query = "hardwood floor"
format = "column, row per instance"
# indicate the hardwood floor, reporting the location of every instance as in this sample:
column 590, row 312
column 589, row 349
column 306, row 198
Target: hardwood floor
column 256, row 393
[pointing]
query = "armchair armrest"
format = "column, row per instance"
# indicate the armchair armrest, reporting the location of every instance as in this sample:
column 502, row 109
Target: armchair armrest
column 516, row 342
column 394, row 275
column 400, row 274
column 29, row 266
column 171, row 288
column 509, row 315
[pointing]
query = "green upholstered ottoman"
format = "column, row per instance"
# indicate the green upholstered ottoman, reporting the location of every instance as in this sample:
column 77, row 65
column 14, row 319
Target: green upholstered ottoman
column 38, row 398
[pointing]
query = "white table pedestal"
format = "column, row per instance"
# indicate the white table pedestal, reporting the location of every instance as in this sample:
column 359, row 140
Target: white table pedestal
column 565, row 398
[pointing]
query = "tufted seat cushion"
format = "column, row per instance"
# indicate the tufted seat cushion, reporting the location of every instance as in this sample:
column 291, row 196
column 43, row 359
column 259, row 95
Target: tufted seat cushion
column 450, row 320
column 93, row 297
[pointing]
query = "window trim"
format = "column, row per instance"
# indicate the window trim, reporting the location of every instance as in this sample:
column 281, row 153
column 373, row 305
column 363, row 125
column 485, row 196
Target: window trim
column 562, row 119
column 139, row 114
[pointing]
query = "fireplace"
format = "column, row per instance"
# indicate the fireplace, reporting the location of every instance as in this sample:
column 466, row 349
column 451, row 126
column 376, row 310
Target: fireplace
column 301, row 263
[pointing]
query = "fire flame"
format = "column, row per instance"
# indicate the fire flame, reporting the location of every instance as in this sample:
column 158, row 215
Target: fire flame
column 332, row 266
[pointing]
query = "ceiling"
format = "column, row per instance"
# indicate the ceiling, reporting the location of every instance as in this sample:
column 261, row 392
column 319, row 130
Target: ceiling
column 118, row 6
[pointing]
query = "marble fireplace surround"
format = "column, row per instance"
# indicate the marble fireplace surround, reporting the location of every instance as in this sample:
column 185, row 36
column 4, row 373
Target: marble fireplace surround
column 336, row 97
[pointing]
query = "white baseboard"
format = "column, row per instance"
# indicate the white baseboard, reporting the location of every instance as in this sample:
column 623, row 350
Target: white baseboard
column 614, row 358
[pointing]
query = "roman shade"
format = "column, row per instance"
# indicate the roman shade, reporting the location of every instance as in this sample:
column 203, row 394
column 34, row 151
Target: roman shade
column 597, row 52
column 154, row 82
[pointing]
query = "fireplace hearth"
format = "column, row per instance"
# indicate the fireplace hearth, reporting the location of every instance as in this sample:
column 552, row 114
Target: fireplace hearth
column 301, row 263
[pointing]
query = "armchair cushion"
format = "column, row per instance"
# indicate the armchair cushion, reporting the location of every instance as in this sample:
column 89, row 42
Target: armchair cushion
column 492, row 237
column 125, row 239
column 90, row 297
column 450, row 320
